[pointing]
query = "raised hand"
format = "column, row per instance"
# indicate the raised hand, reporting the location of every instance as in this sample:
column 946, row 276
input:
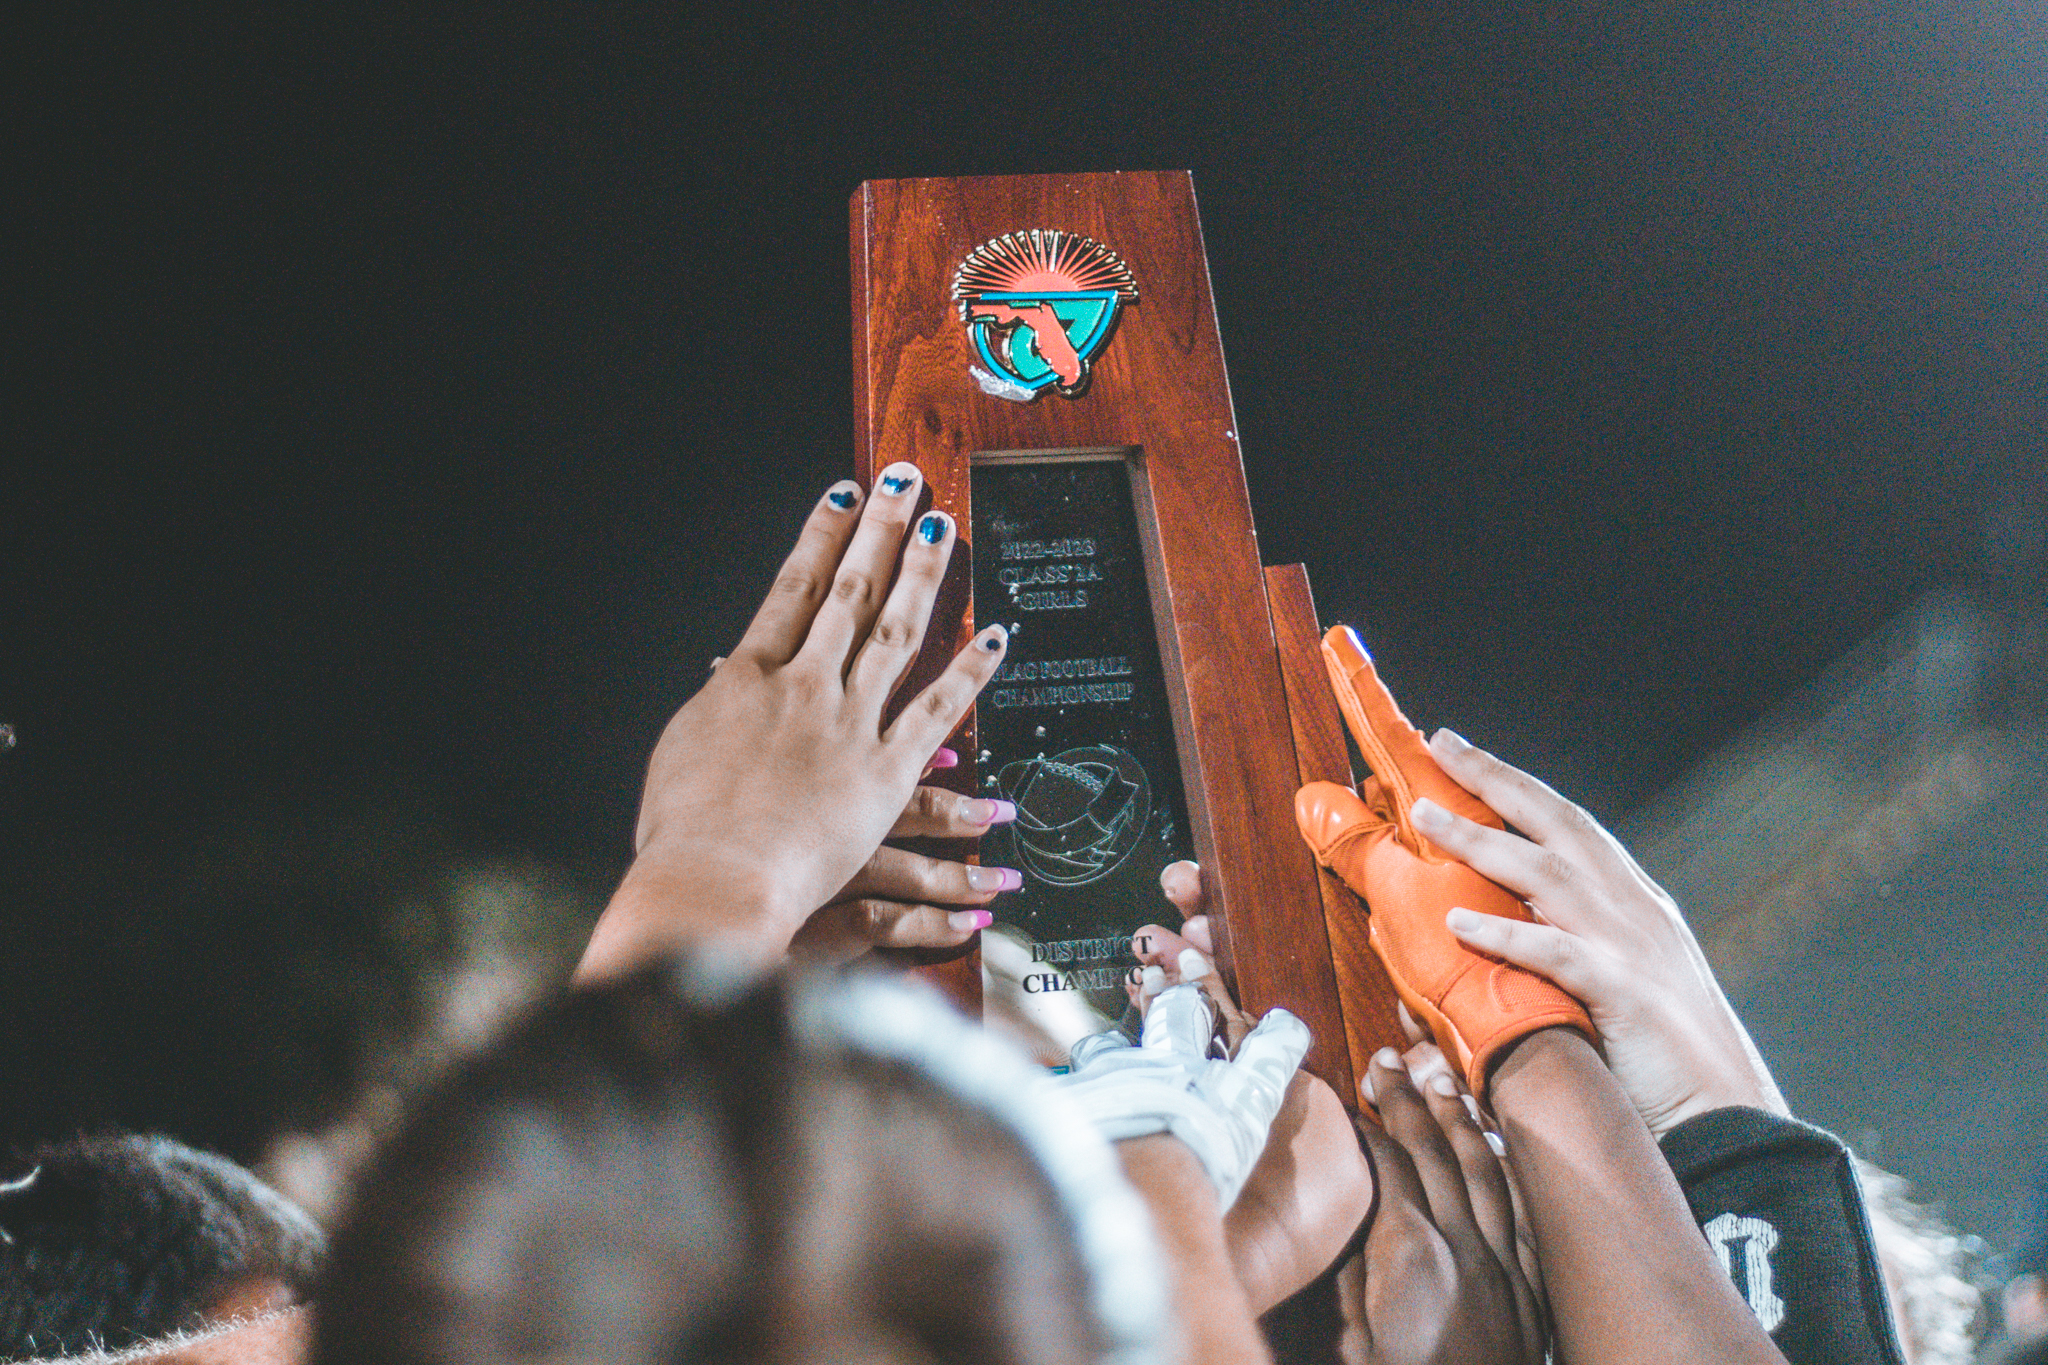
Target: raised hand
column 1475, row 1006
column 1437, row 1280
column 1221, row 1108
column 1311, row 1187
column 1608, row 934
column 774, row 785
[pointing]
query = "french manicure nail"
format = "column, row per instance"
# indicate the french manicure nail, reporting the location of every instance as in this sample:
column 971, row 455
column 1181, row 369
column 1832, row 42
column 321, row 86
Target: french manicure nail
column 1429, row 814
column 1365, row 1088
column 989, row 811
column 994, row 878
column 1152, row 980
column 1471, row 1107
column 897, row 478
column 1388, row 1058
column 1500, row 1148
column 931, row 528
column 1193, row 966
column 945, row 758
column 1462, row 921
column 1443, row 1084
column 843, row 494
column 967, row 921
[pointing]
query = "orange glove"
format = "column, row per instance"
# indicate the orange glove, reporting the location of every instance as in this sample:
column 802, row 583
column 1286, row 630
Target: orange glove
column 1474, row 1004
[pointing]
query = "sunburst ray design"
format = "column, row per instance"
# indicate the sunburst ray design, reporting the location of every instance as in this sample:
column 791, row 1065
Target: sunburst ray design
column 1038, row 261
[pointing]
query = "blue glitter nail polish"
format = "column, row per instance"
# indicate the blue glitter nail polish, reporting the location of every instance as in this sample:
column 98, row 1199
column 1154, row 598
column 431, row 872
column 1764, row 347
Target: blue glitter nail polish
column 895, row 483
column 842, row 498
column 932, row 529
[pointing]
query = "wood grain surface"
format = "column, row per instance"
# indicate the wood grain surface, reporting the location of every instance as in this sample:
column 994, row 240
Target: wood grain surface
column 1364, row 992
column 1158, row 386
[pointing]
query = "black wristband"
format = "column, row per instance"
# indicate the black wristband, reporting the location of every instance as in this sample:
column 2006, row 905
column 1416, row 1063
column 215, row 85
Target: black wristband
column 1781, row 1204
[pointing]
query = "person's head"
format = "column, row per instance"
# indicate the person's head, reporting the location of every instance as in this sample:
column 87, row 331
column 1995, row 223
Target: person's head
column 109, row 1241
column 653, row 1171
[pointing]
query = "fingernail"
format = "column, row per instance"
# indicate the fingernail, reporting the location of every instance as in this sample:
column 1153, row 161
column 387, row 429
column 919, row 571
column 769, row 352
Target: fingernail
column 994, row 638
column 1493, row 1140
column 1472, row 1108
column 1152, row 980
column 1193, row 966
column 1365, row 1089
column 1450, row 739
column 967, row 921
column 931, row 527
column 1429, row 814
column 989, row 811
column 843, row 494
column 994, row 878
column 1463, row 921
column 945, row 758
column 1387, row 1058
column 1443, row 1084
column 897, row 478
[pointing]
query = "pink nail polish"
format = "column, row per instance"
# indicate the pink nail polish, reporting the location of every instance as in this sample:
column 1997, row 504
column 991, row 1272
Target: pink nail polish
column 967, row 921
column 1013, row 880
column 1003, row 812
column 945, row 758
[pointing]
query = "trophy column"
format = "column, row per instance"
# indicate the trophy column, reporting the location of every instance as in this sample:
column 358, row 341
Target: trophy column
column 1045, row 349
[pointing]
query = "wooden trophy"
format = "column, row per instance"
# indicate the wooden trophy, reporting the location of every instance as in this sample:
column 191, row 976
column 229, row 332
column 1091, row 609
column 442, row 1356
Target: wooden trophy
column 1045, row 350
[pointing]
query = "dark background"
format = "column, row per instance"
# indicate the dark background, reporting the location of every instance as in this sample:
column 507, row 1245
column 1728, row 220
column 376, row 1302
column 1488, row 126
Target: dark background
column 401, row 409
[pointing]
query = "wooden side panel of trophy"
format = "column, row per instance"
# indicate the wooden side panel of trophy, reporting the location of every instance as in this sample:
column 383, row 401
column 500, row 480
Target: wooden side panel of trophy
column 1364, row 990
column 1158, row 385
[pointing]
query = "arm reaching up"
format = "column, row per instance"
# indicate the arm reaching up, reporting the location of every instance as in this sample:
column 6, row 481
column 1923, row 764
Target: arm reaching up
column 773, row 786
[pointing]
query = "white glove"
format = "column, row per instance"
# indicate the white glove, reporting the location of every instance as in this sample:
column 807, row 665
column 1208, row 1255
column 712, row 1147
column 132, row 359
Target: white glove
column 1222, row 1110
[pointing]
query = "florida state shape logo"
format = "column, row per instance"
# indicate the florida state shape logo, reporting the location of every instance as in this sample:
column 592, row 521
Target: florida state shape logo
column 1040, row 305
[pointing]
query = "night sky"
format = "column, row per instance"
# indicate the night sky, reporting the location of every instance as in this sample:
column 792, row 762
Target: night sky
column 400, row 410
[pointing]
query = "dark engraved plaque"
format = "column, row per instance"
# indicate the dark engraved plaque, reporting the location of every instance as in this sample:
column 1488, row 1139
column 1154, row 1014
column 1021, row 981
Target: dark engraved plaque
column 1075, row 729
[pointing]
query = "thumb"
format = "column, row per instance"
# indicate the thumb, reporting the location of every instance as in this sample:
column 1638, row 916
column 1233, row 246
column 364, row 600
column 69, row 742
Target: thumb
column 1330, row 816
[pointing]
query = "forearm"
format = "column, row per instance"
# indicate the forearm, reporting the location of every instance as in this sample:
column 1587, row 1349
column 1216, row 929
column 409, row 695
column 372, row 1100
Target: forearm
column 660, row 908
column 1216, row 1322
column 1629, row 1276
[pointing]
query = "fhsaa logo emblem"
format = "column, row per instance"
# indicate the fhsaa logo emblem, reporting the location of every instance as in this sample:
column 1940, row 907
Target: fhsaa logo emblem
column 1040, row 306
